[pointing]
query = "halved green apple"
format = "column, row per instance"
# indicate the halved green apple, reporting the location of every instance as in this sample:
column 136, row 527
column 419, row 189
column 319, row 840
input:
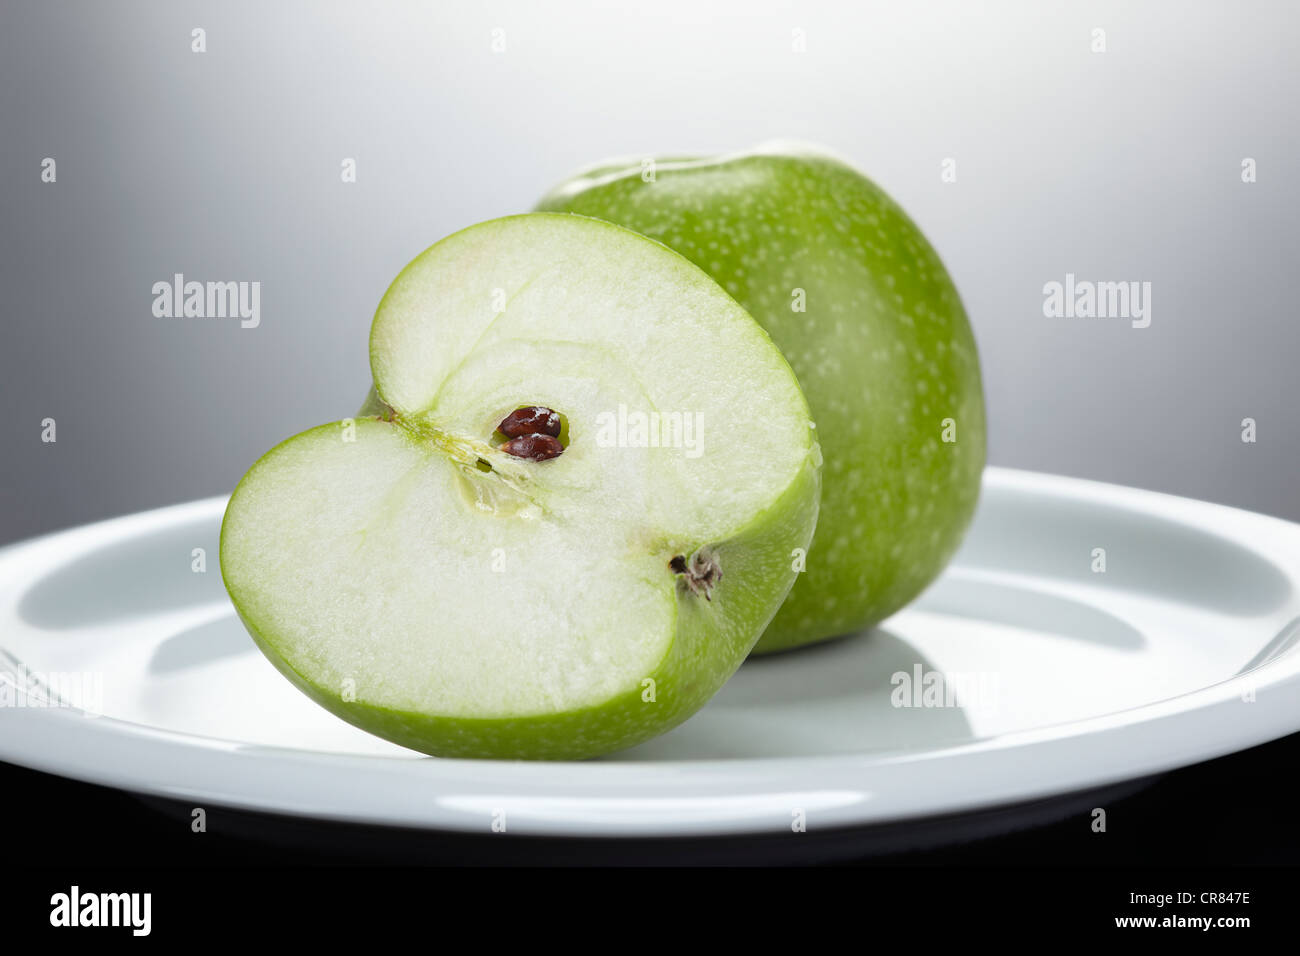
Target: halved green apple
column 412, row 575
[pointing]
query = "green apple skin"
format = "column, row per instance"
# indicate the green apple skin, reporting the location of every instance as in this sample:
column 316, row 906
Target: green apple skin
column 883, row 350
column 708, row 639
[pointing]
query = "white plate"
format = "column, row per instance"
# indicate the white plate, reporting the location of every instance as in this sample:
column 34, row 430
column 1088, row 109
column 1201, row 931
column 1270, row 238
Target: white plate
column 1074, row 679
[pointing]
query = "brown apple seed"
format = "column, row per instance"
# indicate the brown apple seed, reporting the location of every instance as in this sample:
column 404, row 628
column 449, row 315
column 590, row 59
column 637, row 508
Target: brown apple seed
column 534, row 420
column 534, row 447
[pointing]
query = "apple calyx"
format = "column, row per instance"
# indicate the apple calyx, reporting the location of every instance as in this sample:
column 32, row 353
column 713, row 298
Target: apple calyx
column 700, row 573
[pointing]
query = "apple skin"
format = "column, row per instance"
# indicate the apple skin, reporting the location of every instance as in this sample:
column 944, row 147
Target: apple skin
column 883, row 351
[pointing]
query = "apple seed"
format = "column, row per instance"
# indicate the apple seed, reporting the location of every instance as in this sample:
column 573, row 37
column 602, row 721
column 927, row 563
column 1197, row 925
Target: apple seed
column 533, row 420
column 534, row 447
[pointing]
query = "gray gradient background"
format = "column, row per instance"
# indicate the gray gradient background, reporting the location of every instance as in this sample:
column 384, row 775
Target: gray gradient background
column 225, row 166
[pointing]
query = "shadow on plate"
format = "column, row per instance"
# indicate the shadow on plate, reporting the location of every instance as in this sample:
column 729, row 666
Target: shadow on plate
column 1051, row 535
column 836, row 697
column 128, row 579
column 1028, row 609
column 197, row 646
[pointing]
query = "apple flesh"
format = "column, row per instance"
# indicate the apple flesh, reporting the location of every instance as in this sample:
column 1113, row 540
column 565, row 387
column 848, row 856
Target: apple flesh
column 859, row 302
column 413, row 576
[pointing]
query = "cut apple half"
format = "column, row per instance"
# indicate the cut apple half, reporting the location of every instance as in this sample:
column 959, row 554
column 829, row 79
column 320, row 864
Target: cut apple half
column 416, row 573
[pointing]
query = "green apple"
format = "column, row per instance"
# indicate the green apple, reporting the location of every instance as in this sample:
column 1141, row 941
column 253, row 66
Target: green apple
column 569, row 519
column 858, row 301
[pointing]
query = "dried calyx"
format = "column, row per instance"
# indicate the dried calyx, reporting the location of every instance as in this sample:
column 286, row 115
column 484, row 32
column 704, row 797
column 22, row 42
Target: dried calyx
column 699, row 573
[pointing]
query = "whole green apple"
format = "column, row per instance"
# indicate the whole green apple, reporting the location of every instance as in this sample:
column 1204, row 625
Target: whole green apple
column 551, row 537
column 859, row 303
